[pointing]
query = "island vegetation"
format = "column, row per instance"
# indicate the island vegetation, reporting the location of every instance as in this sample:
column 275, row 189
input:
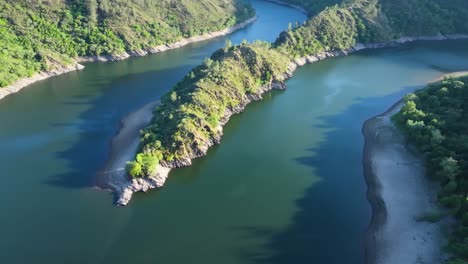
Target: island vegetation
column 190, row 116
column 435, row 120
column 41, row 35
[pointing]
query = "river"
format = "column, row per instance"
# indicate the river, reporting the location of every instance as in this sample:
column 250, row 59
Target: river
column 285, row 185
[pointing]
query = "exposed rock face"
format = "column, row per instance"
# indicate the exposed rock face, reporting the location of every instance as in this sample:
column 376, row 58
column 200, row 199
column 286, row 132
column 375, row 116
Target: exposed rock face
column 141, row 185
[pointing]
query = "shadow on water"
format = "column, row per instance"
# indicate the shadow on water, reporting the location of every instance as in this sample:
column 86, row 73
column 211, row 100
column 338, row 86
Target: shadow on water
column 97, row 125
column 318, row 232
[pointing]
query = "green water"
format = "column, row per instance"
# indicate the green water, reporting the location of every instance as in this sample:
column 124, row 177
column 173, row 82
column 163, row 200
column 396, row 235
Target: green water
column 285, row 185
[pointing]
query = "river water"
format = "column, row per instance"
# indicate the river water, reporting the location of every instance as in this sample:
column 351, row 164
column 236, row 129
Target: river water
column 285, row 185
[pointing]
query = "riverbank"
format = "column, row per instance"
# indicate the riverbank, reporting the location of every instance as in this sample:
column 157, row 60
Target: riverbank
column 162, row 48
column 123, row 147
column 400, row 195
column 297, row 7
column 22, row 83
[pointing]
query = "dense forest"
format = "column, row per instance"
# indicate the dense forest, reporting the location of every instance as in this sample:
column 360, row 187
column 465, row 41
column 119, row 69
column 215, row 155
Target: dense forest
column 344, row 24
column 435, row 119
column 40, row 35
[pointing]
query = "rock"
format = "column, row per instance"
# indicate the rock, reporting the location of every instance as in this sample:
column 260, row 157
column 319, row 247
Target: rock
column 142, row 185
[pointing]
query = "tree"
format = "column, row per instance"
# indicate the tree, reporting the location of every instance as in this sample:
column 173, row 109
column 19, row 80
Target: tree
column 227, row 45
column 92, row 7
column 134, row 169
column 449, row 168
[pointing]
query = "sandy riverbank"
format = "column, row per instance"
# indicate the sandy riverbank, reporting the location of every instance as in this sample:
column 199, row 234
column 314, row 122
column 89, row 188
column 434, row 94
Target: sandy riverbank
column 400, row 194
column 123, row 148
column 22, row 83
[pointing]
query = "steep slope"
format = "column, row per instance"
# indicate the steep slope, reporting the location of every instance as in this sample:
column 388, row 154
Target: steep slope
column 43, row 34
column 371, row 21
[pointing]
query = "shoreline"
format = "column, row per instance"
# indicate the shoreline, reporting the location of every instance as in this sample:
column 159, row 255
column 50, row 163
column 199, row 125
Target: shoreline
column 125, row 191
column 396, row 176
column 24, row 82
column 394, row 173
column 76, row 65
column 123, row 147
column 297, row 7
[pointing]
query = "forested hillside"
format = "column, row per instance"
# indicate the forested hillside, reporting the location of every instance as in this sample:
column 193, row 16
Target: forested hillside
column 42, row 34
column 435, row 119
column 341, row 26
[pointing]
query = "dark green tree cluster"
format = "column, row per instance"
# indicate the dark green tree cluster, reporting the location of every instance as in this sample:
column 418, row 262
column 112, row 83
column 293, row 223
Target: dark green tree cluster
column 46, row 34
column 347, row 22
column 435, row 119
column 189, row 117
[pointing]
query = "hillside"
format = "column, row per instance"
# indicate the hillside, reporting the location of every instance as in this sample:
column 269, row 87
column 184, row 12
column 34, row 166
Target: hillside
column 370, row 21
column 43, row 34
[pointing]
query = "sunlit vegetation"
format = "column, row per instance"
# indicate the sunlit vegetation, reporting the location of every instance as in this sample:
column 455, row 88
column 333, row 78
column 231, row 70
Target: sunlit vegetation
column 45, row 34
column 190, row 115
column 435, row 119
column 342, row 24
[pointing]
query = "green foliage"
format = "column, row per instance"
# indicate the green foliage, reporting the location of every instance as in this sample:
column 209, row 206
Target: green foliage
column 340, row 24
column 44, row 35
column 134, row 169
column 435, row 119
column 188, row 119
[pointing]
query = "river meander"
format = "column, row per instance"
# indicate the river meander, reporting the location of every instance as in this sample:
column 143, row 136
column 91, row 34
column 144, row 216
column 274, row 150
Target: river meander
column 285, row 185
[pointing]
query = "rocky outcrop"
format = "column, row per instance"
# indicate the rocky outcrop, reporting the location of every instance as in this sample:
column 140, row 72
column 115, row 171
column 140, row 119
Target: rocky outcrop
column 141, row 185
